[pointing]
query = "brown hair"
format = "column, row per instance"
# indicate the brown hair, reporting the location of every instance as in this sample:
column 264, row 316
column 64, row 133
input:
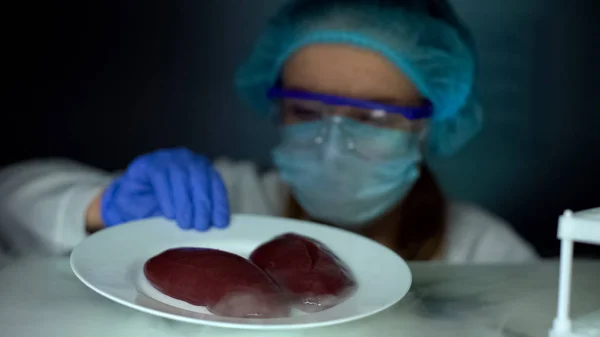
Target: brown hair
column 423, row 219
column 420, row 219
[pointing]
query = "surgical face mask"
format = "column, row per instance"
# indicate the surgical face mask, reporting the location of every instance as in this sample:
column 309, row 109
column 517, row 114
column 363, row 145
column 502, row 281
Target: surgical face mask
column 347, row 172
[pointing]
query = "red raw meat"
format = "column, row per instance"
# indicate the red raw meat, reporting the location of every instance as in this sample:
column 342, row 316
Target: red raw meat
column 307, row 270
column 227, row 284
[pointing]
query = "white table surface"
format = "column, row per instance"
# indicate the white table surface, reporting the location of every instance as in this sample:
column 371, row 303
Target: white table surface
column 42, row 297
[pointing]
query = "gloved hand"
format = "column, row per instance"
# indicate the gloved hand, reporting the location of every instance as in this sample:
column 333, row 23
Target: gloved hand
column 174, row 183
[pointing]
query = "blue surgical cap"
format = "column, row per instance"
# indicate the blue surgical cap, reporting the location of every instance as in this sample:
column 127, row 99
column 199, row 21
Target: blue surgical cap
column 424, row 39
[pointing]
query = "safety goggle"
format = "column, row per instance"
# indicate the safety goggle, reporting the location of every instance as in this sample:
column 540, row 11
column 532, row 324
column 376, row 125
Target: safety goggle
column 299, row 106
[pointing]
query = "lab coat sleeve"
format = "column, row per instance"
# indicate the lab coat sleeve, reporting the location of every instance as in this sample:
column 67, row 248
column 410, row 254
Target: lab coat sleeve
column 43, row 204
column 480, row 237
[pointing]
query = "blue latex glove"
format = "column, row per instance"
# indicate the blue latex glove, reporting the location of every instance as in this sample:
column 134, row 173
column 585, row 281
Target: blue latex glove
column 174, row 183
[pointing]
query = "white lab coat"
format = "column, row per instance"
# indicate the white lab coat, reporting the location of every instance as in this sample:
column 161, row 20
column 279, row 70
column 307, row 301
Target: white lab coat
column 43, row 203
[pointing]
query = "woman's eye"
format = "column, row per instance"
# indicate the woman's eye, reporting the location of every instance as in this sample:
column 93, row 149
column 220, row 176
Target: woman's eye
column 304, row 113
column 364, row 118
column 369, row 118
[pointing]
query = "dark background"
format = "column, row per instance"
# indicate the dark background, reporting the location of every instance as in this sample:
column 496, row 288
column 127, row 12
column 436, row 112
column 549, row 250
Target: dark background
column 104, row 81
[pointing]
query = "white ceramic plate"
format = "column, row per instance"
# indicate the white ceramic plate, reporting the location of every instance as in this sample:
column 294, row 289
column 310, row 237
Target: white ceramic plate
column 111, row 263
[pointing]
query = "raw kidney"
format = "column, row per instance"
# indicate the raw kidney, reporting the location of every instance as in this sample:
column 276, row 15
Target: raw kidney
column 227, row 284
column 314, row 278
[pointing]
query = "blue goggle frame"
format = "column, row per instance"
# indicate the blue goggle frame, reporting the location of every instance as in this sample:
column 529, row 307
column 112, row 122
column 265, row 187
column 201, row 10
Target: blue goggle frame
column 410, row 113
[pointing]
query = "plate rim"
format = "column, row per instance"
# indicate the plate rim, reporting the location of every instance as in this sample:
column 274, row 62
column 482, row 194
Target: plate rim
column 242, row 326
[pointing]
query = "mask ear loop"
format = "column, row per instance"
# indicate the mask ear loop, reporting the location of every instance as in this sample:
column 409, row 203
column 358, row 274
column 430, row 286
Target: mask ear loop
column 424, row 138
column 274, row 114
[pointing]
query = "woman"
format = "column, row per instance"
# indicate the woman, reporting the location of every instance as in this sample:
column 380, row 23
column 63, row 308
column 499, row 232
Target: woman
column 360, row 89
